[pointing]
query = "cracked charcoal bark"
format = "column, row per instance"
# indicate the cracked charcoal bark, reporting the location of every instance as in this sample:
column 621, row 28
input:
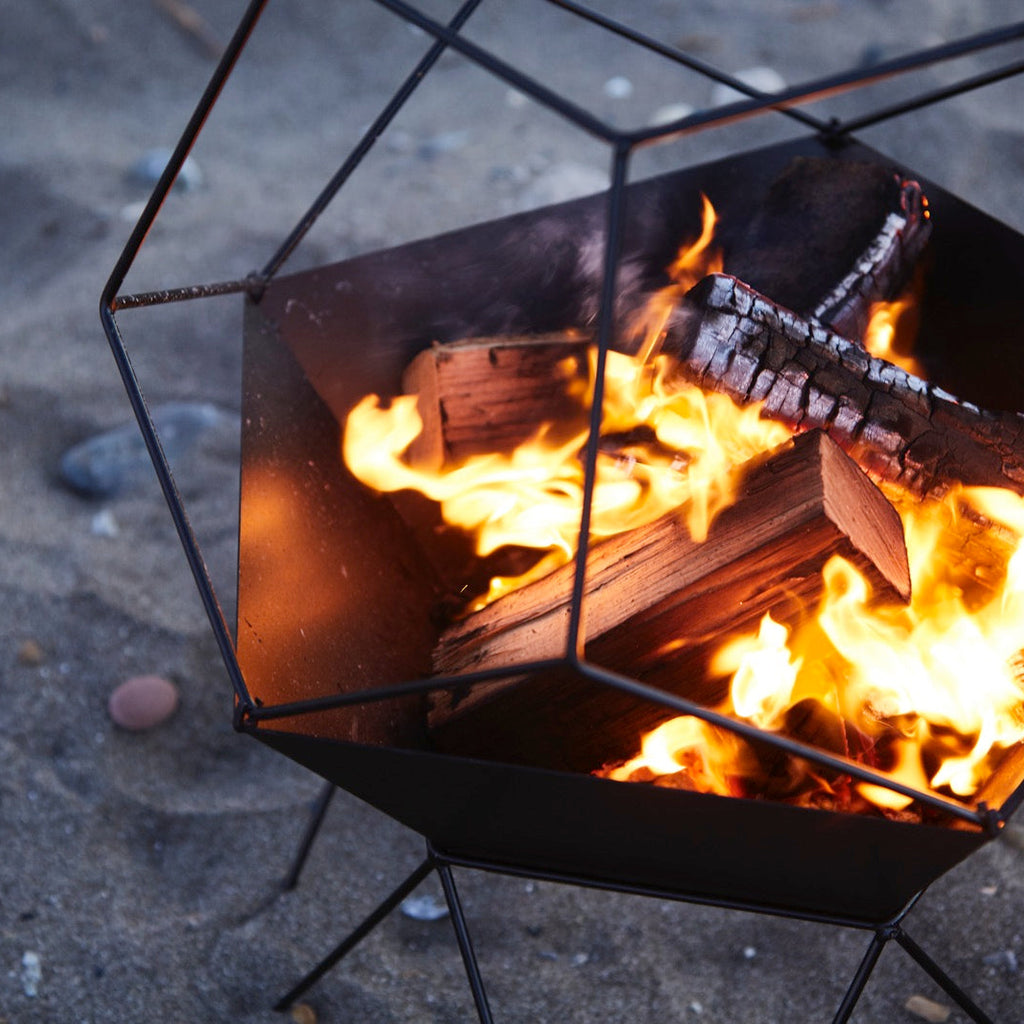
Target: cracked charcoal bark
column 831, row 238
column 726, row 337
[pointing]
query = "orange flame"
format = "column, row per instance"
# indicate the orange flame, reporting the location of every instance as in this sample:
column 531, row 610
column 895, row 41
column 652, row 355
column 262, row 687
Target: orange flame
column 931, row 686
column 694, row 261
column 886, row 333
column 532, row 497
column 925, row 693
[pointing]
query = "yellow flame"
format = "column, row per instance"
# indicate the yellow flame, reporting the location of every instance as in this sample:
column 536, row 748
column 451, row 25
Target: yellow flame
column 763, row 673
column 706, row 757
column 884, row 336
column 935, row 688
column 694, row 261
column 532, row 497
column 930, row 693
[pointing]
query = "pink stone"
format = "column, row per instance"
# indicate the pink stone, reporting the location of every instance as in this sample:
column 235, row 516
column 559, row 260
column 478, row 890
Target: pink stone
column 142, row 702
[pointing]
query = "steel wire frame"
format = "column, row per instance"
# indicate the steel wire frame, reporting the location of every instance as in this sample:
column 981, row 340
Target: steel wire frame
column 883, row 932
column 249, row 713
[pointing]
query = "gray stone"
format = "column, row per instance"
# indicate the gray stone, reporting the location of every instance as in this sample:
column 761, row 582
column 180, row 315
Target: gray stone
column 426, row 907
column 761, row 78
column 100, row 466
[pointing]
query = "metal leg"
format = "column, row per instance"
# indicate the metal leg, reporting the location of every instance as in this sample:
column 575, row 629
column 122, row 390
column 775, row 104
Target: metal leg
column 476, row 982
column 942, row 979
column 316, row 819
column 882, row 935
column 357, row 935
column 860, row 979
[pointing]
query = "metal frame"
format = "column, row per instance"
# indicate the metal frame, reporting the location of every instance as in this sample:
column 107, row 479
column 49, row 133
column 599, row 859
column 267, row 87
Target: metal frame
column 249, row 714
column 883, row 933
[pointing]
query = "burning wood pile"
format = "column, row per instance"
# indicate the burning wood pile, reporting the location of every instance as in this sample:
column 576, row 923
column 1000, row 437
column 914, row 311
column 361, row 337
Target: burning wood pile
column 788, row 524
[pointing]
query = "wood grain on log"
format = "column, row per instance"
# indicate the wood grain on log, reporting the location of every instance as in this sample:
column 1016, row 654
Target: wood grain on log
column 486, row 395
column 726, row 337
column 657, row 606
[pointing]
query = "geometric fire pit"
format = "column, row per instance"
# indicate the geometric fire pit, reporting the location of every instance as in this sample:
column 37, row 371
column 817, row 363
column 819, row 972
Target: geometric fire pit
column 341, row 605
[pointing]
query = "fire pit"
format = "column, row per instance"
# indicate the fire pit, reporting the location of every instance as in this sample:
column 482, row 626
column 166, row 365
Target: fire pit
column 367, row 645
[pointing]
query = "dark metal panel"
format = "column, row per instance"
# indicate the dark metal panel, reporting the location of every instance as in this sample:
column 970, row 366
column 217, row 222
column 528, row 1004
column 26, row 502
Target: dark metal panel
column 333, row 592
column 767, row 855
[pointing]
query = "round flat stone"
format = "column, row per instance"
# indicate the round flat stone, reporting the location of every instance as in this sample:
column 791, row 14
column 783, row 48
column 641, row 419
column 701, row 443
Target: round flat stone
column 142, row 702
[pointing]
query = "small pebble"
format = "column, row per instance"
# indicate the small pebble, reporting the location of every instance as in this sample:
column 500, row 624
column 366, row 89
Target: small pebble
column 100, row 466
column 303, row 1013
column 30, row 652
column 696, row 1007
column 104, row 524
column 1005, row 958
column 148, row 168
column 873, row 53
column 131, row 212
column 749, row 952
column 764, row 79
column 446, row 142
column 31, row 973
column 399, row 141
column 927, row 1009
column 504, row 174
column 142, row 702
column 671, row 112
column 579, row 959
column 425, row 908
column 618, row 88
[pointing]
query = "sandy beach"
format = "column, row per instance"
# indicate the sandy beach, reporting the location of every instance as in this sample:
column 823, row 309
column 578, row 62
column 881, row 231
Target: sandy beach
column 140, row 873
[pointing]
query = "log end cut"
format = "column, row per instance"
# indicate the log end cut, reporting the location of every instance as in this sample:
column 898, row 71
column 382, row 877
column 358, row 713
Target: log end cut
column 856, row 505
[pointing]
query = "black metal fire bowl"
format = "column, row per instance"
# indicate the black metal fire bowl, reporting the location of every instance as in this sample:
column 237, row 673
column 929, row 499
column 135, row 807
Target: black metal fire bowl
column 335, row 596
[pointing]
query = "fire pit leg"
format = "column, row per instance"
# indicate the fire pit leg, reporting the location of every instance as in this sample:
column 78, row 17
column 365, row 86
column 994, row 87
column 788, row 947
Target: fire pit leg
column 885, row 934
column 860, row 979
column 462, row 937
column 316, row 819
column 942, row 979
column 357, row 935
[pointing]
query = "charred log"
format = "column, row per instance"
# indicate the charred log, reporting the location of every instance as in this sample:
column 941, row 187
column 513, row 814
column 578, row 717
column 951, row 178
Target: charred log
column 832, row 238
column 726, row 337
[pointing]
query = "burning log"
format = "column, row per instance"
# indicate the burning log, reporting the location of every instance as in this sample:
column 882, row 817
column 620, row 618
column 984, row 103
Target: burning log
column 899, row 428
column 657, row 605
column 832, row 238
column 489, row 394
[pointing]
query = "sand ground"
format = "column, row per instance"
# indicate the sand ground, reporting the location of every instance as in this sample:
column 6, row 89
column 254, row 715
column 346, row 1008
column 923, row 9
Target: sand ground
column 141, row 872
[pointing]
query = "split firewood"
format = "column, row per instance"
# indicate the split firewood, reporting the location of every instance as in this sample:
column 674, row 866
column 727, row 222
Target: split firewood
column 832, row 238
column 491, row 394
column 1007, row 774
column 657, row 605
column 726, row 337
